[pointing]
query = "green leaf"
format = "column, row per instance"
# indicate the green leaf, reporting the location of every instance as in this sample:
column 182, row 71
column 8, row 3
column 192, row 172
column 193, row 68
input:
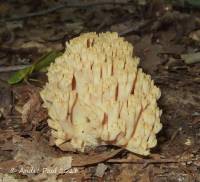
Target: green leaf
column 46, row 60
column 40, row 65
column 20, row 75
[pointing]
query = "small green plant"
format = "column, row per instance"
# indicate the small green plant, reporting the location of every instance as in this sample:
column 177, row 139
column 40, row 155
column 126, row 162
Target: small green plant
column 40, row 65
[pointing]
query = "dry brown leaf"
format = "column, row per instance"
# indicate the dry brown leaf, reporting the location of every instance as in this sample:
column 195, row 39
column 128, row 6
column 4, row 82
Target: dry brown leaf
column 32, row 106
column 80, row 175
column 61, row 163
column 145, row 177
column 31, row 111
column 64, row 147
column 40, row 159
column 33, row 153
column 195, row 35
column 149, row 53
column 167, row 39
column 22, row 93
column 126, row 174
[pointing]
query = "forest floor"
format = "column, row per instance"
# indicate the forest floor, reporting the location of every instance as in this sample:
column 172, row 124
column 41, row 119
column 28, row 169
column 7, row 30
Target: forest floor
column 165, row 37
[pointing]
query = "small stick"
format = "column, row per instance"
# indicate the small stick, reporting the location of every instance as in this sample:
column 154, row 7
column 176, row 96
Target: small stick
column 135, row 28
column 62, row 6
column 13, row 68
column 145, row 162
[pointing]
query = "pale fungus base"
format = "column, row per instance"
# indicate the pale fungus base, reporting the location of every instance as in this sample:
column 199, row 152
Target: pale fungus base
column 96, row 95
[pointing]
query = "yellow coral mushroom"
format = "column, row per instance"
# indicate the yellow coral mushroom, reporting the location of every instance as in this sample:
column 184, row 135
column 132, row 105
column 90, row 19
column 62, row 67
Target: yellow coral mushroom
column 97, row 95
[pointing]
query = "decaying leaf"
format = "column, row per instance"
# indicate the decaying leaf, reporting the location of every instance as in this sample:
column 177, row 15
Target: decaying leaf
column 96, row 95
column 31, row 109
column 32, row 106
column 149, row 53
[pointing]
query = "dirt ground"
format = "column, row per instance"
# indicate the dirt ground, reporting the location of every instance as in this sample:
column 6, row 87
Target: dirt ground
column 165, row 36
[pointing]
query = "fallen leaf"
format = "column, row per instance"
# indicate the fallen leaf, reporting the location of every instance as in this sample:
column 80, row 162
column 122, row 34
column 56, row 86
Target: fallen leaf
column 22, row 93
column 146, row 176
column 35, row 154
column 31, row 107
column 149, row 53
column 191, row 58
column 167, row 39
column 195, row 35
column 80, row 175
column 61, row 164
column 127, row 173
column 64, row 147
column 38, row 157
column 34, row 44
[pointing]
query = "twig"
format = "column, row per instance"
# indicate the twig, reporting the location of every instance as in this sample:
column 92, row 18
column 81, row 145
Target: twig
column 11, row 50
column 143, row 161
column 136, row 28
column 62, row 6
column 13, row 68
